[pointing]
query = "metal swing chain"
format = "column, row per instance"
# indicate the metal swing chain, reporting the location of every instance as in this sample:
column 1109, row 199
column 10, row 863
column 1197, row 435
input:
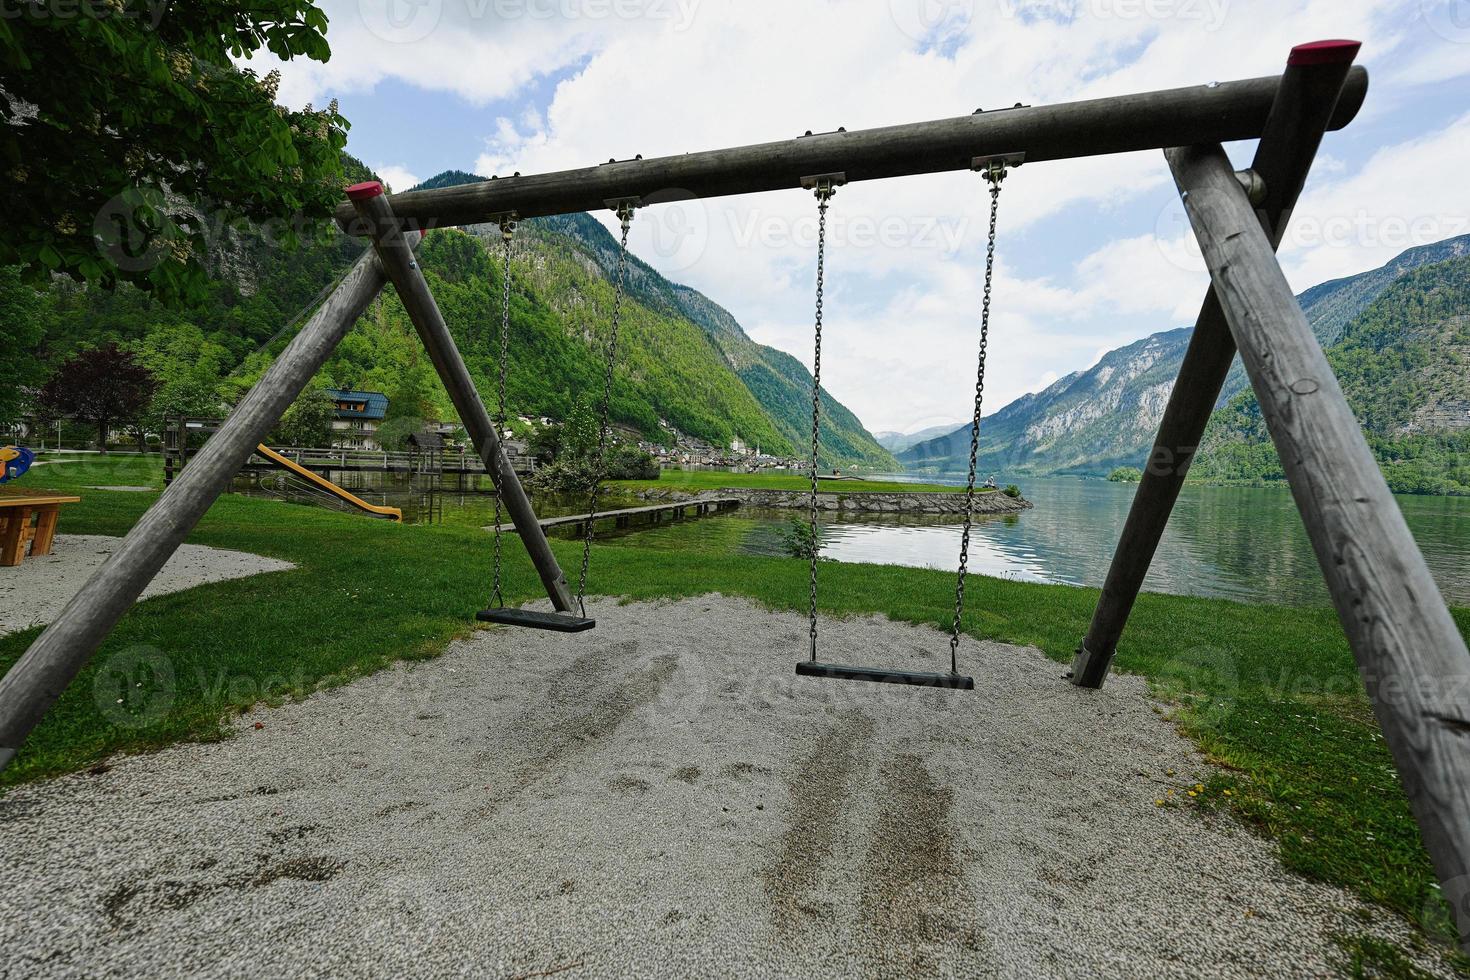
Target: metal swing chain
column 824, row 192
column 625, row 215
column 507, row 232
column 994, row 174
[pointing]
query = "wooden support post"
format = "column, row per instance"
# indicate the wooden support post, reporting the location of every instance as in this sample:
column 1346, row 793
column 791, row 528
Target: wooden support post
column 13, row 538
column 1412, row 658
column 1304, row 105
column 43, row 672
column 46, row 520
column 393, row 251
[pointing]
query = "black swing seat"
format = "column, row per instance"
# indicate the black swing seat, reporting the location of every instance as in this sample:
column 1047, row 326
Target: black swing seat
column 913, row 678
column 531, row 619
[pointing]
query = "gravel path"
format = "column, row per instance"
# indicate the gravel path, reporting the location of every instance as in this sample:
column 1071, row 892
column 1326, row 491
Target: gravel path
column 34, row 591
column 634, row 802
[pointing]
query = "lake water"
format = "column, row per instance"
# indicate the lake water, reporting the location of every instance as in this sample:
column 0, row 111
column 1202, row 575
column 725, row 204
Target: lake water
column 1235, row 543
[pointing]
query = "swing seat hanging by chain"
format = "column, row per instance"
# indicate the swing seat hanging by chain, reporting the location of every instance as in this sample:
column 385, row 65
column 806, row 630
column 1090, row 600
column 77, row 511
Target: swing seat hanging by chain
column 560, row 622
column 556, row 622
column 994, row 171
column 912, row 678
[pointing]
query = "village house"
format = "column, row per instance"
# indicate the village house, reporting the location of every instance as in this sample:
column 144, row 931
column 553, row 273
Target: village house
column 356, row 417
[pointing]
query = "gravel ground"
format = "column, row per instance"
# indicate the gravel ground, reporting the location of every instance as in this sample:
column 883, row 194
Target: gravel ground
column 34, row 591
column 662, row 797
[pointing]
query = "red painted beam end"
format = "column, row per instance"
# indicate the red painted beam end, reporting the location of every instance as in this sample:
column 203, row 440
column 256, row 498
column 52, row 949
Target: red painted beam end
column 1339, row 52
column 365, row 190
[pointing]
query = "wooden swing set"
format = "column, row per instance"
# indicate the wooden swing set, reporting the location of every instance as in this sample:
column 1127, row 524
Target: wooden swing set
column 1412, row 659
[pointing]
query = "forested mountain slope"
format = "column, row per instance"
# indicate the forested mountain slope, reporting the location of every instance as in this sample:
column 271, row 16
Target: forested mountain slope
column 683, row 360
column 778, row 381
column 1106, row 416
column 1404, row 365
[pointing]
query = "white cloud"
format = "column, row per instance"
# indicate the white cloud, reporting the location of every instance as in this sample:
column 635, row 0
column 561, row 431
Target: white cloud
column 398, row 178
column 1405, row 195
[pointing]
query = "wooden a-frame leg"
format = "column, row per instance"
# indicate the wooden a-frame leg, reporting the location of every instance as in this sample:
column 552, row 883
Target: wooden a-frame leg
column 44, row 671
column 1305, row 100
column 413, row 289
column 1411, row 656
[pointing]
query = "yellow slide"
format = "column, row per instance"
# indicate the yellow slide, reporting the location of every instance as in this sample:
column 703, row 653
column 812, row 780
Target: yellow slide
column 392, row 513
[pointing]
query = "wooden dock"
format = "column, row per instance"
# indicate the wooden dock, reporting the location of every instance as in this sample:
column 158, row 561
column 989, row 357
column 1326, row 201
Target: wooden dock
column 653, row 512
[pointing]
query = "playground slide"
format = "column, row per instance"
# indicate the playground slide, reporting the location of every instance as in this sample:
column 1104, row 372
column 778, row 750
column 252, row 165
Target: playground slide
column 392, row 513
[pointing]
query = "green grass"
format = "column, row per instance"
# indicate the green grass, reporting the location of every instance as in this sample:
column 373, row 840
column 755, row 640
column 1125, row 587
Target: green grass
column 701, row 480
column 77, row 471
column 1271, row 693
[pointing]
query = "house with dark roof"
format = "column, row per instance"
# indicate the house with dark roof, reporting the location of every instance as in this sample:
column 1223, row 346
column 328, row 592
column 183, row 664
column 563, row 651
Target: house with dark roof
column 356, row 417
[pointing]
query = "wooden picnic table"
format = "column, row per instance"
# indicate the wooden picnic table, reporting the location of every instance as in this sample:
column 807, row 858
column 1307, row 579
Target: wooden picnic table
column 17, row 507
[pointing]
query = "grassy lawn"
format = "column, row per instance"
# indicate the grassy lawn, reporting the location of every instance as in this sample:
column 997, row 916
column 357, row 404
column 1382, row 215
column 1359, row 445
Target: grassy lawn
column 1270, row 692
column 702, row 480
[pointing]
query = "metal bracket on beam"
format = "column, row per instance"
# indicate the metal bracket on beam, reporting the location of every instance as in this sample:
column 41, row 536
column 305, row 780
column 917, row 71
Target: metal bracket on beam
column 617, row 205
column 817, row 180
column 507, row 221
column 1009, row 159
column 1254, row 185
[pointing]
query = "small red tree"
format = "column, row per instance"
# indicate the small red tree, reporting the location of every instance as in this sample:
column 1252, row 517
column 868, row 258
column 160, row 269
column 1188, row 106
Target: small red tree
column 104, row 386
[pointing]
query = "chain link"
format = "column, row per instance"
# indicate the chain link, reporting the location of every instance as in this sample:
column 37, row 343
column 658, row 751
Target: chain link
column 507, row 232
column 993, row 175
column 625, row 215
column 824, row 193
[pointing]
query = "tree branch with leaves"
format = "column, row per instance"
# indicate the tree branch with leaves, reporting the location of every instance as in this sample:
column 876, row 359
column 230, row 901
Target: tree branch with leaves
column 127, row 126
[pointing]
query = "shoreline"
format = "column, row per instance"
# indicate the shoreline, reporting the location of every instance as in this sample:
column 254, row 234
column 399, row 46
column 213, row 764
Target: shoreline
column 855, row 502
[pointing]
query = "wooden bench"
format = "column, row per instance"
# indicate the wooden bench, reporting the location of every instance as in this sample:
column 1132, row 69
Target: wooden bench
column 17, row 507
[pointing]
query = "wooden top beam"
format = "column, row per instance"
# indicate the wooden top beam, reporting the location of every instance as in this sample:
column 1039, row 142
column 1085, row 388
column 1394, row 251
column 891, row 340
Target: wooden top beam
column 1215, row 113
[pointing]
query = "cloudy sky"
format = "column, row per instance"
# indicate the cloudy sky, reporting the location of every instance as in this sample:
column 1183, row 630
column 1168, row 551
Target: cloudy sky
column 1093, row 253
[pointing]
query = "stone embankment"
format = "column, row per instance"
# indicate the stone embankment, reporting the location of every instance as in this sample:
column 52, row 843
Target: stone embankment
column 859, row 502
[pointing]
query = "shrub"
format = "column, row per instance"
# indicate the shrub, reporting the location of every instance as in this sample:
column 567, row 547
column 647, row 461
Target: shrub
column 1126, row 474
column 631, row 463
column 800, row 538
column 576, row 474
column 1012, row 490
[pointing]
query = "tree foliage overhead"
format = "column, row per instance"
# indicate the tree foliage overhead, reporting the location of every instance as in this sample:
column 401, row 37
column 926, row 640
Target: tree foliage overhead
column 20, row 334
column 127, row 132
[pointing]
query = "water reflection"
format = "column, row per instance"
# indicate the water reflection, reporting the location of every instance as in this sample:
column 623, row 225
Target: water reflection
column 1237, row 543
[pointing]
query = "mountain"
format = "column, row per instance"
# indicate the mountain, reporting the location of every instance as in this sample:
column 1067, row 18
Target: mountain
column 1106, row 416
column 684, row 366
column 779, row 382
column 897, row 442
column 1404, row 365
